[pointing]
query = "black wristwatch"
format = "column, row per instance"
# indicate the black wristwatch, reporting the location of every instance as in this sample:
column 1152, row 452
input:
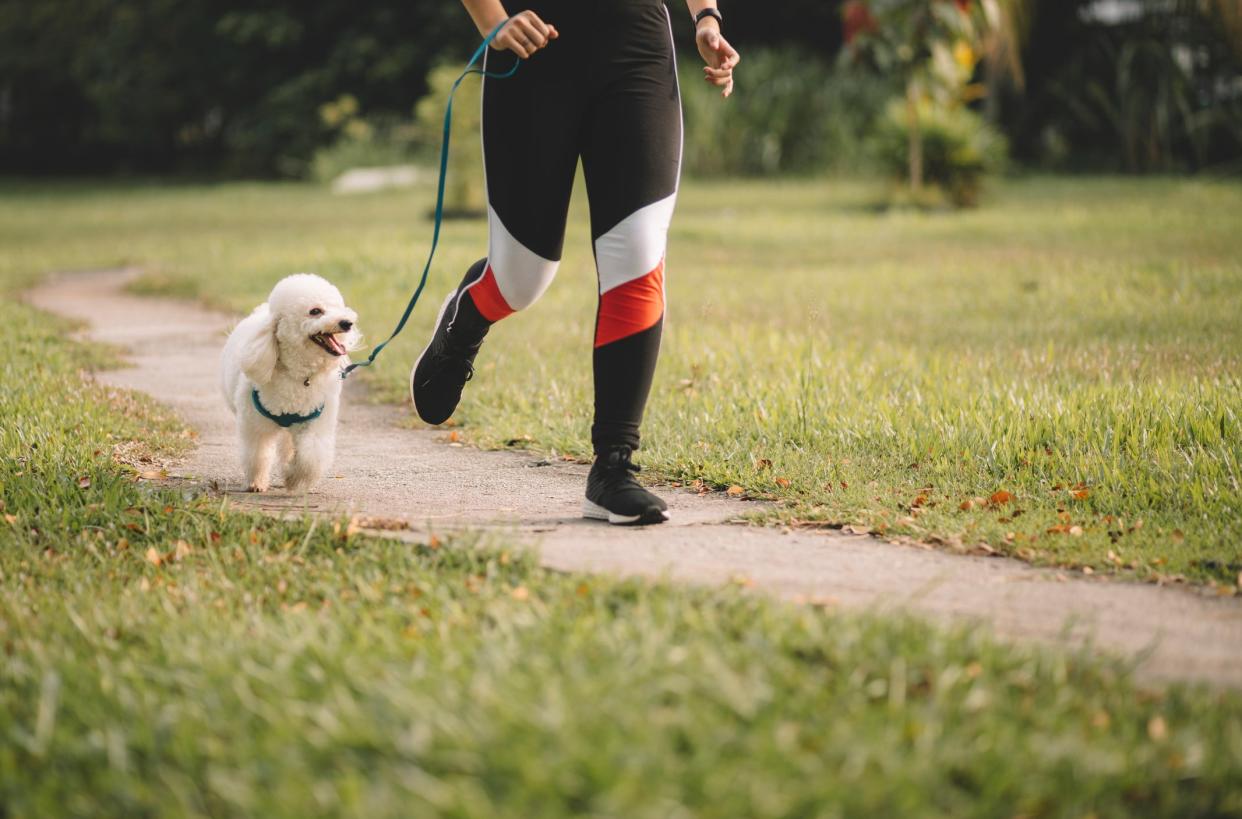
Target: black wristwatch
column 708, row 12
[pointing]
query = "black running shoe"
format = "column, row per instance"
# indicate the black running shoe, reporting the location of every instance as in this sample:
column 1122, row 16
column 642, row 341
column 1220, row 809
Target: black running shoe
column 613, row 495
column 447, row 363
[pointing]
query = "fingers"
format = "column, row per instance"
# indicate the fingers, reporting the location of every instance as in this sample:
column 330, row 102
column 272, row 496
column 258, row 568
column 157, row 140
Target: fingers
column 507, row 42
column 728, row 54
column 525, row 34
column 721, row 58
column 548, row 32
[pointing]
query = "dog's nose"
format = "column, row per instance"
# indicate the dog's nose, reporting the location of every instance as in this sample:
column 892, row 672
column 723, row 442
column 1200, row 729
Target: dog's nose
column 346, row 324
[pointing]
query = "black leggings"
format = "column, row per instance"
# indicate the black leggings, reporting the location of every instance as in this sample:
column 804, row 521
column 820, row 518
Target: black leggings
column 605, row 91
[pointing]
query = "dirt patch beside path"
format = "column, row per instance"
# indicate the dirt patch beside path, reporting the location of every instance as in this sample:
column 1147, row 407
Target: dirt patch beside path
column 414, row 476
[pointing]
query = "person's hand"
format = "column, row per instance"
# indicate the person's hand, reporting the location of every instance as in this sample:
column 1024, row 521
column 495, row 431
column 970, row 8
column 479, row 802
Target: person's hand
column 524, row 34
column 718, row 54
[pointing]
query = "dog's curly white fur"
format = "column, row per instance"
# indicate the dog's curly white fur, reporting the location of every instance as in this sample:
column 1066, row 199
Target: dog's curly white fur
column 291, row 349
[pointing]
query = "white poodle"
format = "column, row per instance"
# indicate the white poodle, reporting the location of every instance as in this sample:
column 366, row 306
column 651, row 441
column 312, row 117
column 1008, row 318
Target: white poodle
column 281, row 376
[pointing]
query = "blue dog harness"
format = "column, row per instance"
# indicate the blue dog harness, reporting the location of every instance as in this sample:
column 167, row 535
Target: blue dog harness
column 286, row 419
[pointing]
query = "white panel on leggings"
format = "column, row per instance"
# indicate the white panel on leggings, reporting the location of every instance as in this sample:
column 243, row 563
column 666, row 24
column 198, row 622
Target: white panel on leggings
column 635, row 245
column 521, row 274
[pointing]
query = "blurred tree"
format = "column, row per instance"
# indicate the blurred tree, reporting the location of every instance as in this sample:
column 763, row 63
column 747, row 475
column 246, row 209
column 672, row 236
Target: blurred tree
column 932, row 46
column 235, row 86
column 464, row 195
column 1154, row 85
column 160, row 85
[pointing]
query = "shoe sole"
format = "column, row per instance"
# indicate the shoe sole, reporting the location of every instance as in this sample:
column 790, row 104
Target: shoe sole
column 651, row 516
column 414, row 369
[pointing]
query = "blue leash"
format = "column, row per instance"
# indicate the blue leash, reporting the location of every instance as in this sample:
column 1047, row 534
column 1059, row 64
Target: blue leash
column 444, row 152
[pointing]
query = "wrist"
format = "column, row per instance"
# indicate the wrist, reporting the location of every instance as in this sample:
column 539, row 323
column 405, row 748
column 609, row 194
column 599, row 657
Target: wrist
column 707, row 19
column 487, row 24
column 707, row 25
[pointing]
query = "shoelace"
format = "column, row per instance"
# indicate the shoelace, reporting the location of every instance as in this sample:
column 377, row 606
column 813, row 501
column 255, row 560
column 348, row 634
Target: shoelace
column 620, row 459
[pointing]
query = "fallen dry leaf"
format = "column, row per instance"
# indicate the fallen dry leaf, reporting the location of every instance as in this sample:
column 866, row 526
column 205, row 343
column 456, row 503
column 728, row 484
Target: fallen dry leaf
column 1075, row 531
column 84, row 482
column 1080, row 494
column 384, row 524
column 1178, row 535
column 10, row 519
column 1000, row 498
column 520, row 593
column 763, row 463
column 182, row 549
column 783, row 483
column 154, row 557
column 734, row 491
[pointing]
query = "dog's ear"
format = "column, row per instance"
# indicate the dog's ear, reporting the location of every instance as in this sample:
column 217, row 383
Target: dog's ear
column 260, row 352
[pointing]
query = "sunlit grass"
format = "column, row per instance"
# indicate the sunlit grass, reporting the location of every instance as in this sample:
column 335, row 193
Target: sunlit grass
column 164, row 655
column 1074, row 343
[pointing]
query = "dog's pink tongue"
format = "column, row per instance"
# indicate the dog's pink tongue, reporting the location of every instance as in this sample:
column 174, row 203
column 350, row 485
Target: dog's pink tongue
column 336, row 345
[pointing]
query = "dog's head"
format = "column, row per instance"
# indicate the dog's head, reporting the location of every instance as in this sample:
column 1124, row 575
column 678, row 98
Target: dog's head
column 308, row 329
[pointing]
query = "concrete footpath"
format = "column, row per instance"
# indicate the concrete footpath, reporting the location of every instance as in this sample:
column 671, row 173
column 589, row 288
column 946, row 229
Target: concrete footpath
column 419, row 479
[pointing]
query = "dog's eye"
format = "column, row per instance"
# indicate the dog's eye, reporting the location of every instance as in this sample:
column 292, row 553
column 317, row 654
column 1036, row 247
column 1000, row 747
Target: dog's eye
column 316, row 311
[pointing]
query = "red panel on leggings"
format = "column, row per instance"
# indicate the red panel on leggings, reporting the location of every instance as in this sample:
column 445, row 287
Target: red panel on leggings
column 486, row 296
column 631, row 307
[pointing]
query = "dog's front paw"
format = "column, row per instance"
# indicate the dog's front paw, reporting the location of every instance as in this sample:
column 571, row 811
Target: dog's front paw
column 303, row 474
column 257, row 487
column 300, row 484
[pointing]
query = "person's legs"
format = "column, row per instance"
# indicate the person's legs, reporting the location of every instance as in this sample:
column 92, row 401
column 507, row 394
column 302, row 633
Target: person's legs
column 530, row 154
column 631, row 156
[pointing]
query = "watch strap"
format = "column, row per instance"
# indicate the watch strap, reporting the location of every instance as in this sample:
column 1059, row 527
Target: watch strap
column 708, row 12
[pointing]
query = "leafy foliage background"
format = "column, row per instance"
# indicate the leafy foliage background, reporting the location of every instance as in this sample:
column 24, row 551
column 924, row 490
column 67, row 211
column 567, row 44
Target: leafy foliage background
column 233, row 88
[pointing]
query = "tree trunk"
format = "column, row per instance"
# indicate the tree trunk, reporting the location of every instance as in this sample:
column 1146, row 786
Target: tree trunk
column 914, row 149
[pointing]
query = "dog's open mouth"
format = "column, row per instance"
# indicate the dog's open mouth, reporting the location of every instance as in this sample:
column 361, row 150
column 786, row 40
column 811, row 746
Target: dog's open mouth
column 329, row 342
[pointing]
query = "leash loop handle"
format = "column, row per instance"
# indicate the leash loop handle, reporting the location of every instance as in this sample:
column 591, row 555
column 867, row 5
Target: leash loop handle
column 439, row 217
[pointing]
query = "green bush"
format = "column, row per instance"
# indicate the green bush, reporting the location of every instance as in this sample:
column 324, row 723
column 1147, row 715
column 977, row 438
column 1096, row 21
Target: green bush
column 790, row 113
column 465, row 194
column 362, row 143
column 959, row 149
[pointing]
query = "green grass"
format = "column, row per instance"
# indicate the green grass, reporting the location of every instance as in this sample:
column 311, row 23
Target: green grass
column 165, row 656
column 1074, row 343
